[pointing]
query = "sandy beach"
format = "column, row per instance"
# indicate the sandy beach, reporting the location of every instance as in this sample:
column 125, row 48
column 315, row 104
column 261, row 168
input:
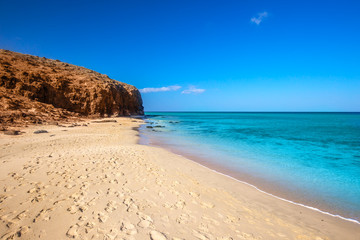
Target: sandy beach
column 97, row 182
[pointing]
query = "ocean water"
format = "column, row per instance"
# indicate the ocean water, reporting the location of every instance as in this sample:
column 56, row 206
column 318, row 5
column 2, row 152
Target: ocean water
column 309, row 158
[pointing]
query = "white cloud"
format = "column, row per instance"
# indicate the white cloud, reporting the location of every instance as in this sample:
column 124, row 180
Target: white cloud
column 193, row 89
column 162, row 89
column 260, row 16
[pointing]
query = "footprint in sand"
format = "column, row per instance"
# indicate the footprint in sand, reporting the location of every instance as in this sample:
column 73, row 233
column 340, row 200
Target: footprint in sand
column 199, row 235
column 10, row 223
column 73, row 231
column 90, row 225
column 207, row 205
column 70, row 186
column 23, row 230
column 82, row 207
column 72, row 209
column 82, row 220
column 43, row 215
column 92, row 202
column 180, row 204
column 155, row 235
column 102, row 217
column 110, row 206
column 110, row 236
column 8, row 235
column 3, row 198
column 185, row 219
column 209, row 219
column 193, row 194
column 128, row 228
column 144, row 223
column 129, row 202
column 59, row 201
column 21, row 215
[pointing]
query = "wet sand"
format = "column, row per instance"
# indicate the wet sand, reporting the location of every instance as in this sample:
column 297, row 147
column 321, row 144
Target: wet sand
column 96, row 182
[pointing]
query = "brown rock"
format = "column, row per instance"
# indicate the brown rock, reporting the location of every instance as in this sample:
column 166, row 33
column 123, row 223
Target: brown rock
column 11, row 132
column 39, row 90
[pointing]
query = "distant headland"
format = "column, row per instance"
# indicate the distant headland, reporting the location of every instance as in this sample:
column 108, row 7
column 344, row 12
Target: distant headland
column 39, row 90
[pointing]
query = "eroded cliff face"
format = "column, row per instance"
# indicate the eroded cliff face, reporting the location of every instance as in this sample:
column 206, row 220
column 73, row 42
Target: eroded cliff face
column 34, row 89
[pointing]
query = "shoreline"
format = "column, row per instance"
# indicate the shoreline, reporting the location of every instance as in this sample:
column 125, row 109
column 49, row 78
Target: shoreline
column 97, row 181
column 233, row 175
column 277, row 197
column 276, row 189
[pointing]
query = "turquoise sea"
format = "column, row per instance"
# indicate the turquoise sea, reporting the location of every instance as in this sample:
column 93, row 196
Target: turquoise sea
column 308, row 158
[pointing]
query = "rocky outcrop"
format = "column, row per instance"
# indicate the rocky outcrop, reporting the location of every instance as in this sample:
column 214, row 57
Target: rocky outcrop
column 38, row 89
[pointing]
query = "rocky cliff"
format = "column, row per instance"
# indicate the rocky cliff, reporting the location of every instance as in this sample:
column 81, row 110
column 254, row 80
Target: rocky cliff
column 35, row 89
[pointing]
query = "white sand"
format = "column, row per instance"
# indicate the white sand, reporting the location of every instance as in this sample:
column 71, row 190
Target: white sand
column 96, row 182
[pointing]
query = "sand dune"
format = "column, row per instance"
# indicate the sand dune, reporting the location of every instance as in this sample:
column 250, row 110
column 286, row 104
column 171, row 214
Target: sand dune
column 96, row 182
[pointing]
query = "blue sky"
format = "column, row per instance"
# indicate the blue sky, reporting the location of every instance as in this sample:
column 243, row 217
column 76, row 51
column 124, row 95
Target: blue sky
column 245, row 55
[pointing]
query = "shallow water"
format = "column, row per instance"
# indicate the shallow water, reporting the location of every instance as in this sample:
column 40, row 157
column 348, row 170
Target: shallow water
column 312, row 157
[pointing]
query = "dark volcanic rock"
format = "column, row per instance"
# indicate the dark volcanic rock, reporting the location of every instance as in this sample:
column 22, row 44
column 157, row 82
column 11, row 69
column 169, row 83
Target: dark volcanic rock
column 40, row 131
column 37, row 90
